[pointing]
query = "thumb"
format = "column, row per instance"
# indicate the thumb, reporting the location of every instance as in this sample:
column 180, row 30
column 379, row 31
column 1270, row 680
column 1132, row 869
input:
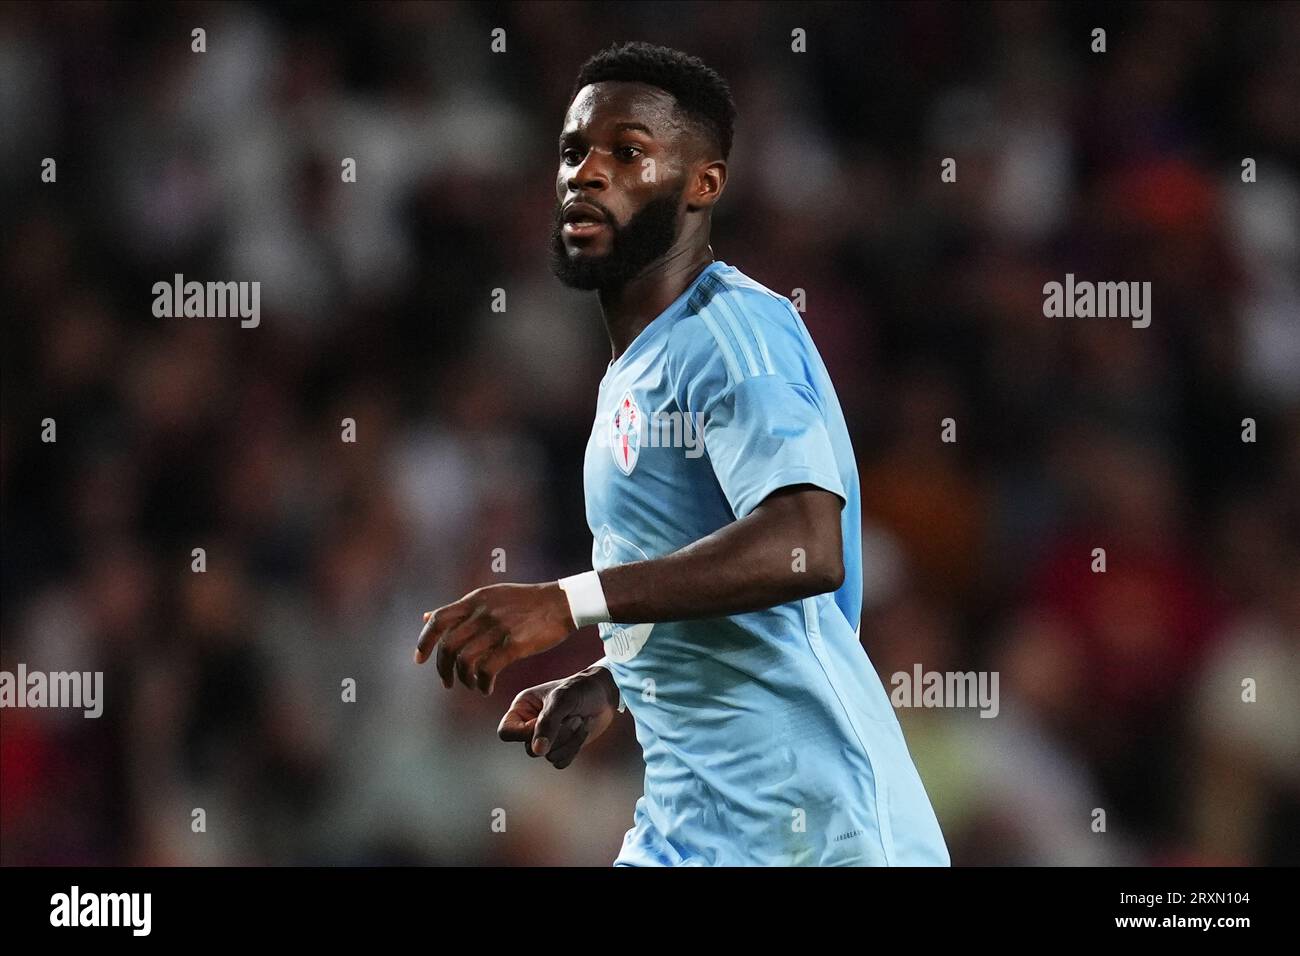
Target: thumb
column 517, row 724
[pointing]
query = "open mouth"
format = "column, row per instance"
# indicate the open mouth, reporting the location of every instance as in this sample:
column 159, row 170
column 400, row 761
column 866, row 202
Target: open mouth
column 582, row 220
column 582, row 227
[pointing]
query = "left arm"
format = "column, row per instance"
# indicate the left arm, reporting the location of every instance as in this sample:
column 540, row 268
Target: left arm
column 788, row 548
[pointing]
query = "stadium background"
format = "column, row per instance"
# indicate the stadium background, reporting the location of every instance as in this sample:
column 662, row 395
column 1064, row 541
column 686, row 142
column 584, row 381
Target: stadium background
column 222, row 690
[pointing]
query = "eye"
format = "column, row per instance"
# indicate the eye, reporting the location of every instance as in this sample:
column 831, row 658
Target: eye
column 571, row 156
column 628, row 152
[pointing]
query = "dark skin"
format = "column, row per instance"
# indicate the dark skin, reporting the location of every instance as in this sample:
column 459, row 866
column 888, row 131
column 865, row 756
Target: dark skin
column 602, row 160
column 609, row 131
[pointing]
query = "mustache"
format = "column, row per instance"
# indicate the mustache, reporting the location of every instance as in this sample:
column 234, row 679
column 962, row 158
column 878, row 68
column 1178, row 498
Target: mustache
column 609, row 216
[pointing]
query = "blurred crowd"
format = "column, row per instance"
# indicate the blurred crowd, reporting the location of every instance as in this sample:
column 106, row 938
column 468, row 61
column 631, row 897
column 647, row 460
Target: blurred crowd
column 1120, row 691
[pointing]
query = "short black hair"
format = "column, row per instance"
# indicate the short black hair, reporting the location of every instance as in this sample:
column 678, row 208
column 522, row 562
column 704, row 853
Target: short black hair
column 701, row 93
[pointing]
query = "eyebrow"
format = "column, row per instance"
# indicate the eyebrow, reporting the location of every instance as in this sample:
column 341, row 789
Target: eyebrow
column 572, row 134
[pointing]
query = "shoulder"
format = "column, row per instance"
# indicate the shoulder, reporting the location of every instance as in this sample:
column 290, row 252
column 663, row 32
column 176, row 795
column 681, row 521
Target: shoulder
column 737, row 325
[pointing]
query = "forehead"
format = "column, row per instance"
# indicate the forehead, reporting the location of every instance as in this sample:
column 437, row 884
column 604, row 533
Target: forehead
column 600, row 106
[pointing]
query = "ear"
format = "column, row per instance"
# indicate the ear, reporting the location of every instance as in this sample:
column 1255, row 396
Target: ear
column 708, row 180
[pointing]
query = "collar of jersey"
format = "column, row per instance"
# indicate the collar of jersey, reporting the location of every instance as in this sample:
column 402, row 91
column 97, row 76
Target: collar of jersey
column 663, row 318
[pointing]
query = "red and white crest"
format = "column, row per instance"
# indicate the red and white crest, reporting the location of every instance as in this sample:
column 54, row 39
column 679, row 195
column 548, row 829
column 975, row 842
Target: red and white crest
column 625, row 433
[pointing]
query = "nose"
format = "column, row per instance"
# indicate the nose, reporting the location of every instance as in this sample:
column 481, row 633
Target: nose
column 590, row 174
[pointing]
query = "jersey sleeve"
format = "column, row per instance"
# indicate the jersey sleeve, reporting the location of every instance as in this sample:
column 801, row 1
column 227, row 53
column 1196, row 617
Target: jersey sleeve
column 741, row 371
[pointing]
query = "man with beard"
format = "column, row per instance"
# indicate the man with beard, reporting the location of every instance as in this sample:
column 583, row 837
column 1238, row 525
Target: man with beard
column 727, row 586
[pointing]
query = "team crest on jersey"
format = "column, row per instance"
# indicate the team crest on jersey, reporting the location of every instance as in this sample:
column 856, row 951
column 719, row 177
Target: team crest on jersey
column 625, row 433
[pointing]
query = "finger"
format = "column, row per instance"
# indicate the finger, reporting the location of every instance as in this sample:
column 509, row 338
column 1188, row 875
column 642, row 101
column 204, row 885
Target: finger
column 450, row 645
column 428, row 635
column 471, row 656
column 437, row 623
column 517, row 729
column 419, row 656
column 491, row 664
column 562, row 754
column 550, row 721
column 528, row 744
column 523, row 710
column 563, row 736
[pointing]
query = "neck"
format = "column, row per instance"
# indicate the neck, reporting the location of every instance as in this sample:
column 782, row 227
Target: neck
column 630, row 308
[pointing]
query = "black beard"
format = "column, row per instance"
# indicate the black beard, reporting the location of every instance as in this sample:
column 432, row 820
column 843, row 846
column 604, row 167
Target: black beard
column 647, row 236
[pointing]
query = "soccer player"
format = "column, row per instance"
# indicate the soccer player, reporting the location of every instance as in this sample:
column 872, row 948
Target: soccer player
column 722, row 493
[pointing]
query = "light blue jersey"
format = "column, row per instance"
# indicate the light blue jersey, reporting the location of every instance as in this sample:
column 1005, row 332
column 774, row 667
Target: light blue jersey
column 768, row 737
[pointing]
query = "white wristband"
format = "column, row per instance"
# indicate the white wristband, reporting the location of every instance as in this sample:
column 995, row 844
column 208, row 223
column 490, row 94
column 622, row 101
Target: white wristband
column 586, row 598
